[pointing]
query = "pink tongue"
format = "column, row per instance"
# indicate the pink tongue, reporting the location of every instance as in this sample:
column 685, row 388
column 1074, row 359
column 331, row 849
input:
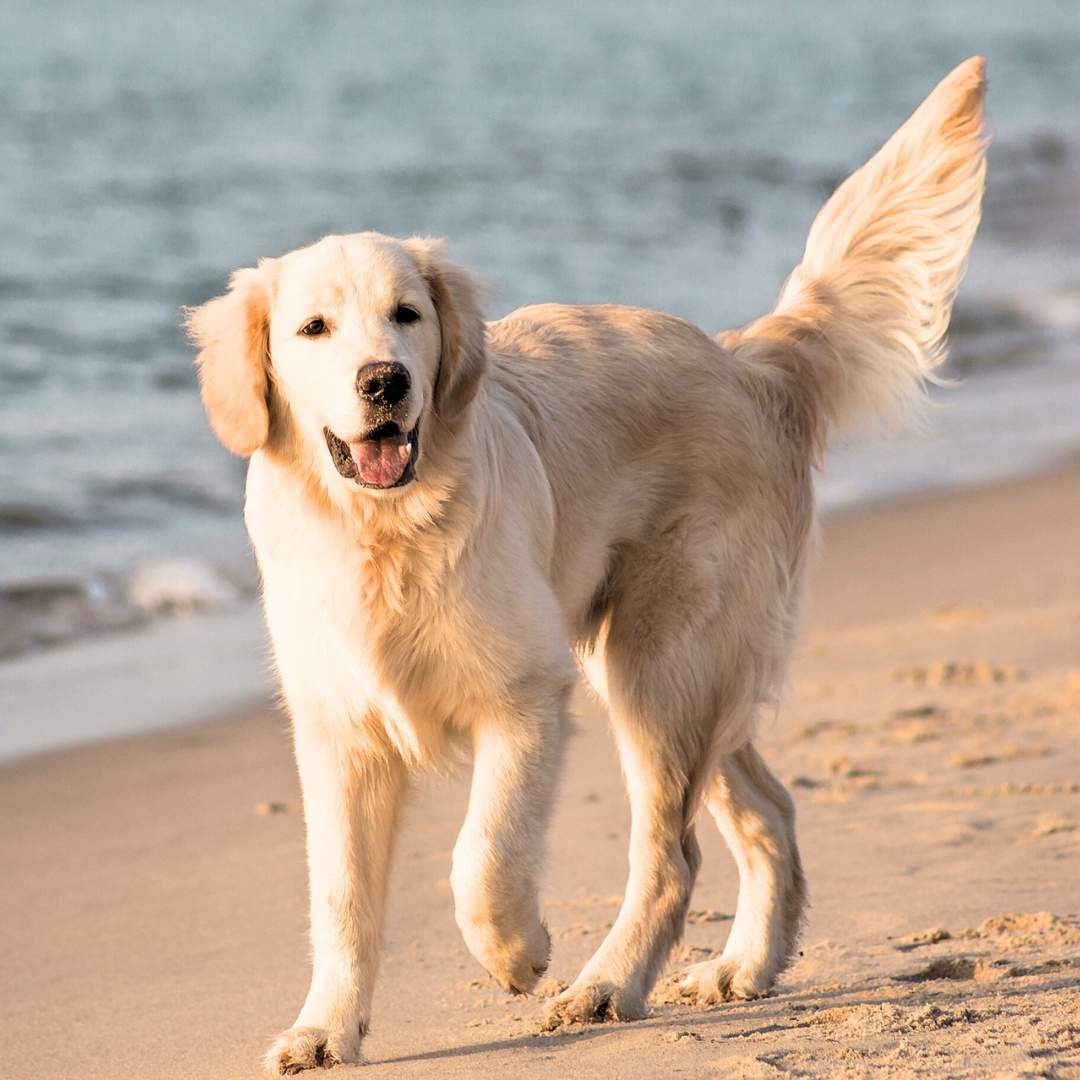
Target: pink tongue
column 380, row 462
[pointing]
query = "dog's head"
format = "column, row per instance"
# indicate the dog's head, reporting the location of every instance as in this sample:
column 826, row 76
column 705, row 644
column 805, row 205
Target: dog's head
column 366, row 350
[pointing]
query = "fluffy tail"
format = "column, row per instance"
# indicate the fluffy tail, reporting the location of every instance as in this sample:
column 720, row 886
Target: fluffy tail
column 859, row 324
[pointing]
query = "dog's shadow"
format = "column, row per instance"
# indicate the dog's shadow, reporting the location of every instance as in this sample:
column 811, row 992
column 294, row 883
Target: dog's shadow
column 680, row 1022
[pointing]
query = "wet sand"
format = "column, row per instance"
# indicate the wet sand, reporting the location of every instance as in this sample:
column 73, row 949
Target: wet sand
column 152, row 920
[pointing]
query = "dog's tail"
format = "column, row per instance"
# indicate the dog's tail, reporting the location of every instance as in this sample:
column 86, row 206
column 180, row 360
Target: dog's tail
column 859, row 324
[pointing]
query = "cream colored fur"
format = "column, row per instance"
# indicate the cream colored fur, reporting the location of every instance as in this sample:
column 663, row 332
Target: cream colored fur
column 598, row 487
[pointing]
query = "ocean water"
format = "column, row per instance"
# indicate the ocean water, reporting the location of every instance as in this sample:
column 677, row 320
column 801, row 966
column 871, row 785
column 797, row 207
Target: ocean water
column 665, row 154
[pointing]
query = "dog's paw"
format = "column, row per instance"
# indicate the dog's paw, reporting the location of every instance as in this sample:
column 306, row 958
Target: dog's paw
column 716, row 981
column 521, row 969
column 593, row 1003
column 302, row 1048
column 517, row 964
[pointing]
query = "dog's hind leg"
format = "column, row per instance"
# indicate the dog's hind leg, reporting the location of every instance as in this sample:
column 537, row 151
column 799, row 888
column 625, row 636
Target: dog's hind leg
column 691, row 650
column 664, row 859
column 756, row 816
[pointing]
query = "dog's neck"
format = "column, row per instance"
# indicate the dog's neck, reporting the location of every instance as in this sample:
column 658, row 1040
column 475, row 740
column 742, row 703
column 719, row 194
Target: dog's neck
column 408, row 541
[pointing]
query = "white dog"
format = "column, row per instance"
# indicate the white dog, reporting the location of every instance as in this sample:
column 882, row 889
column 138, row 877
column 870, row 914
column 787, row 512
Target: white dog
column 448, row 514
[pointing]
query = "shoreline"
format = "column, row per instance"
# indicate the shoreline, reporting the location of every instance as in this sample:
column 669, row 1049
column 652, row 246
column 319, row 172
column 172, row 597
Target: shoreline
column 224, row 652
column 171, row 672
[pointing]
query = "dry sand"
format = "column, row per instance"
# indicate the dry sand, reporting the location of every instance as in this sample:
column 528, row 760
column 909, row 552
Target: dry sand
column 152, row 919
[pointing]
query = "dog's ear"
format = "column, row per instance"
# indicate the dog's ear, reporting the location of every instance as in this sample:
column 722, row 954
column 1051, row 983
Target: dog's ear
column 456, row 291
column 233, row 336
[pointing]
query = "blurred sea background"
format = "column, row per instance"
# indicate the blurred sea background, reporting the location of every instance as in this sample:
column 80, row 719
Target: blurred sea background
column 664, row 154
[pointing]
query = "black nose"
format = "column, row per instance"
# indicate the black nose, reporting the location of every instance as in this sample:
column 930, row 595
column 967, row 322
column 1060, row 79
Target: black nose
column 383, row 384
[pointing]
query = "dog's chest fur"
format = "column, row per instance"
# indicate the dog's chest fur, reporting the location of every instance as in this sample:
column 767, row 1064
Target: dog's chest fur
column 356, row 617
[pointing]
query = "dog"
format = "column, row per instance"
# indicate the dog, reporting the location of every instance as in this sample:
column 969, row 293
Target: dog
column 453, row 517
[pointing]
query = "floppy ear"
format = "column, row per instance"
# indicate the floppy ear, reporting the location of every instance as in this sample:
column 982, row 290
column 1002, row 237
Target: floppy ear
column 456, row 292
column 233, row 335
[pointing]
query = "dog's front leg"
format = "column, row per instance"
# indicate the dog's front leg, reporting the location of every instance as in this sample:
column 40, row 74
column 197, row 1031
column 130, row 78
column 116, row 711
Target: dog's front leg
column 352, row 805
column 499, row 854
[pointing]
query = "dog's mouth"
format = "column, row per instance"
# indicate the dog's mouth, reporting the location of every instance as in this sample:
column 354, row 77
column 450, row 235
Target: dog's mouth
column 385, row 459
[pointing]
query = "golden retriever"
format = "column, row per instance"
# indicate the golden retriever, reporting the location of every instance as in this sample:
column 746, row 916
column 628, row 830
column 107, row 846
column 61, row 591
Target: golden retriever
column 452, row 517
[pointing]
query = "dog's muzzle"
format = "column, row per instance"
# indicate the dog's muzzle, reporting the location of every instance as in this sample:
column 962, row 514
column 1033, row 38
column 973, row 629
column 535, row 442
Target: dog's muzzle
column 385, row 459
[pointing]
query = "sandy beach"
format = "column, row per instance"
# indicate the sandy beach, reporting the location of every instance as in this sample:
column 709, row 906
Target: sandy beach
column 152, row 922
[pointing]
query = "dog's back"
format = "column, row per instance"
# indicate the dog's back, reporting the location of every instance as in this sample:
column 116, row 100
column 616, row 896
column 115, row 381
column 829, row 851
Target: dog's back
column 650, row 431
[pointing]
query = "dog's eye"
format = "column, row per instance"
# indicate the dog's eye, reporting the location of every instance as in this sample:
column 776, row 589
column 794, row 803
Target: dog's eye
column 314, row 328
column 403, row 314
